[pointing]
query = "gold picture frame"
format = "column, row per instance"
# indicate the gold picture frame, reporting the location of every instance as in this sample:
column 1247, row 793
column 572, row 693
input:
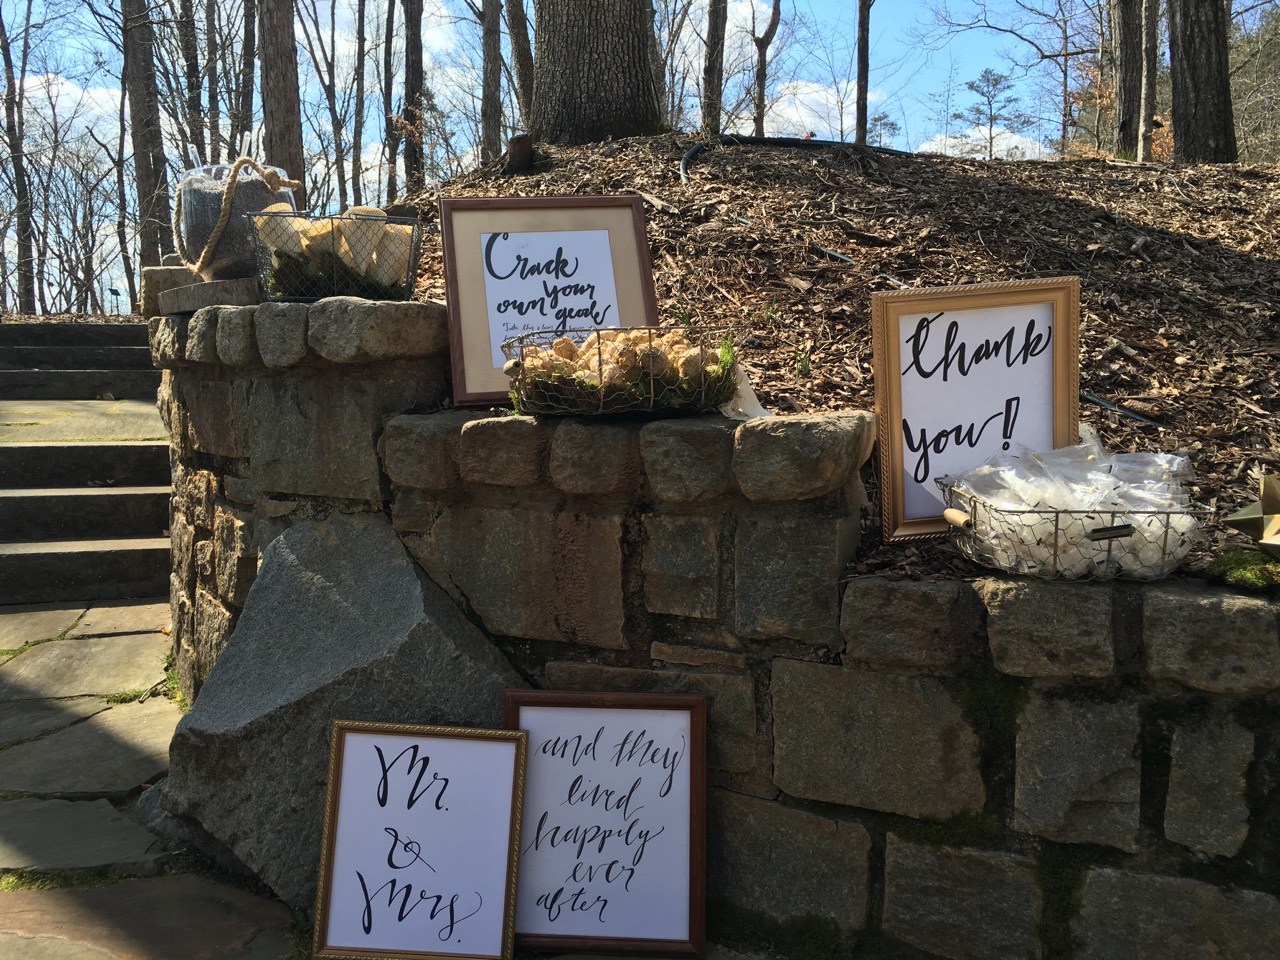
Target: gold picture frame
column 628, row 769
column 518, row 264
column 962, row 373
column 421, row 843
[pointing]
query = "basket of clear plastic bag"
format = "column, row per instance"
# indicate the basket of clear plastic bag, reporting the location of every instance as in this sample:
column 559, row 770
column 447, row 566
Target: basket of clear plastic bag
column 1075, row 513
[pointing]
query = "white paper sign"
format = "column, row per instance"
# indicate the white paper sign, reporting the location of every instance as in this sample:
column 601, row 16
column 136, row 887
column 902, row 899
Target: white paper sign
column 420, row 847
column 974, row 383
column 606, row 844
column 550, row 280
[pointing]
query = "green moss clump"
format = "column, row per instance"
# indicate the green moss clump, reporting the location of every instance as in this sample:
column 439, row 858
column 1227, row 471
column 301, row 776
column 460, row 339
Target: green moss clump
column 14, row 880
column 1246, row 569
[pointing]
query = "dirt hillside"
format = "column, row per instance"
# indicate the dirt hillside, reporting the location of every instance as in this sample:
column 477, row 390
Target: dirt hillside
column 1179, row 269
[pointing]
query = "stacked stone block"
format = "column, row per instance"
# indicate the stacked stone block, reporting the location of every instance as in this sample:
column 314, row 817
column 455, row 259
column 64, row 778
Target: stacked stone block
column 275, row 413
column 958, row 769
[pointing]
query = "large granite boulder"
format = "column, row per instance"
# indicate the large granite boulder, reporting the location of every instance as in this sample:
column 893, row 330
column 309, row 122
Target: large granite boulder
column 339, row 625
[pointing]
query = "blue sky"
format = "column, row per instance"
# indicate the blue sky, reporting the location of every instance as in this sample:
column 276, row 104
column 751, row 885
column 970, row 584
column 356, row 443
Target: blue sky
column 908, row 76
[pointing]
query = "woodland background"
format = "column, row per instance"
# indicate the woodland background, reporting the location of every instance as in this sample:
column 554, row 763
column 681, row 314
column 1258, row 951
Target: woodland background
column 107, row 102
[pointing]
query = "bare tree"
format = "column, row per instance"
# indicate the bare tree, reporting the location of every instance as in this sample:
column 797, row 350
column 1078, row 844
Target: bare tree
column 357, row 121
column 713, row 67
column 864, row 66
column 1054, row 34
column 150, row 169
column 762, row 63
column 1150, row 69
column 392, row 122
column 414, row 90
column 488, row 14
column 321, row 47
column 612, row 93
column 1203, row 122
column 1126, row 46
column 281, row 102
column 211, row 68
column 242, row 115
column 14, row 85
column 521, row 54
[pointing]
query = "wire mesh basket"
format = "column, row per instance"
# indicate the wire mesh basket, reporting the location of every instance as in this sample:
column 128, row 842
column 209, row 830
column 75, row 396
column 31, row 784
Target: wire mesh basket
column 305, row 258
column 1072, row 544
column 615, row 370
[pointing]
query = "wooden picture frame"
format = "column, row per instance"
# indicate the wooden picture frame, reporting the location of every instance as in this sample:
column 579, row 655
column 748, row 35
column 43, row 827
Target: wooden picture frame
column 421, row 842
column 633, row 764
column 961, row 374
column 518, row 264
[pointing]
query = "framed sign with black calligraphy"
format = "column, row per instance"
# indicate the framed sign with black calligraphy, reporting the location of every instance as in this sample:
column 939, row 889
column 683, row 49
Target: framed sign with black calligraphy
column 963, row 373
column 612, row 858
column 421, row 841
column 518, row 264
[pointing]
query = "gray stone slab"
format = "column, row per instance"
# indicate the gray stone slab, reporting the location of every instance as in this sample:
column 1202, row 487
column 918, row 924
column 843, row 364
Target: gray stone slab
column 23, row 719
column 109, row 617
column 232, row 293
column 339, row 624
column 67, row 835
column 15, row 946
column 1078, row 775
column 1125, row 915
column 896, row 744
column 26, row 421
column 1206, row 808
column 85, row 665
column 40, row 621
column 961, row 904
column 787, row 864
column 158, row 918
column 107, row 755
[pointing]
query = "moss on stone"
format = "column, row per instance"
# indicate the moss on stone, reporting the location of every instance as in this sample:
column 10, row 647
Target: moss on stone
column 1060, row 872
column 1247, row 570
column 12, row 880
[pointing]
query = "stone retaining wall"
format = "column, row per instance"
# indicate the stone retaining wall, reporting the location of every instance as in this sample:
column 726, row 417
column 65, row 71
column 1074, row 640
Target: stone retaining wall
column 996, row 768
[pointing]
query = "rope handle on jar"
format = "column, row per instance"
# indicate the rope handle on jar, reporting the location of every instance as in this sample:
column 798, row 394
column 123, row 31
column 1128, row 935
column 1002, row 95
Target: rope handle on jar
column 274, row 182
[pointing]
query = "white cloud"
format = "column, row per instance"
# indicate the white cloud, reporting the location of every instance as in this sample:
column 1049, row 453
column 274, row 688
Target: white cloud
column 973, row 143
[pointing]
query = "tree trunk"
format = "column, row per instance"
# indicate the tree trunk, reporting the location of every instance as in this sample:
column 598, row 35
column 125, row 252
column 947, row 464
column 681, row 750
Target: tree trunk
column 593, row 74
column 211, row 54
column 242, row 122
column 1203, row 124
column 713, row 67
column 186, row 27
column 1126, row 45
column 491, row 80
column 864, row 68
column 521, row 56
column 414, row 86
column 391, row 122
column 150, row 172
column 357, row 122
column 323, row 53
column 14, row 80
column 762, row 65
column 281, row 108
column 1150, row 66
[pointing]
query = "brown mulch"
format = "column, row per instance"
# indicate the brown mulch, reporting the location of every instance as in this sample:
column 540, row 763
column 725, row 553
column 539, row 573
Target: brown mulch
column 1179, row 269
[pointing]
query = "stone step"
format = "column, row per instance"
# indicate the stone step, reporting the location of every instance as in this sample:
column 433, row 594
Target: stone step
column 48, row 570
column 71, row 513
column 73, row 334
column 127, row 463
column 78, row 384
column 75, row 358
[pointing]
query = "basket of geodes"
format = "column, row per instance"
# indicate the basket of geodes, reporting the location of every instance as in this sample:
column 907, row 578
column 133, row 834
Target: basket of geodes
column 611, row 370
column 362, row 253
